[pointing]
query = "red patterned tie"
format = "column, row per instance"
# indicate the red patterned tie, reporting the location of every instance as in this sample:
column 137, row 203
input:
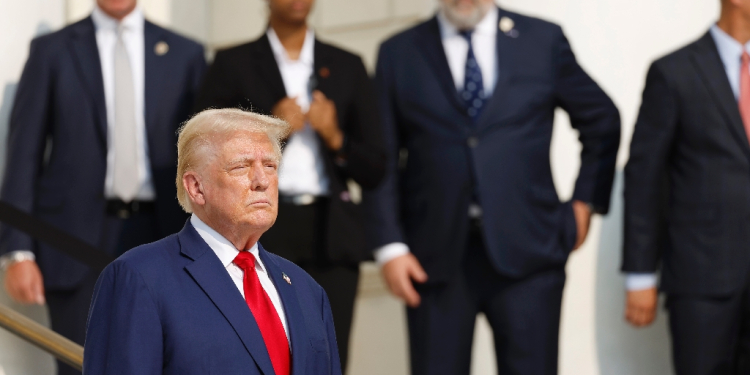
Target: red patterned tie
column 745, row 92
column 265, row 314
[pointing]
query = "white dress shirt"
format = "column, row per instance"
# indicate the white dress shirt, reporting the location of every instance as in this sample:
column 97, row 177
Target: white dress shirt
column 302, row 170
column 133, row 38
column 730, row 52
column 483, row 43
column 227, row 252
column 456, row 49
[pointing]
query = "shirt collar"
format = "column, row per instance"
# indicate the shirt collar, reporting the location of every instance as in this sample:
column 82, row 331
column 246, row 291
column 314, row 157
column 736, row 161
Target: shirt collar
column 306, row 55
column 133, row 21
column 220, row 245
column 730, row 50
column 487, row 26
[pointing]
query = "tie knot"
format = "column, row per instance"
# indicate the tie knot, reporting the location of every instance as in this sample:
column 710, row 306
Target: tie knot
column 466, row 34
column 120, row 29
column 745, row 57
column 245, row 260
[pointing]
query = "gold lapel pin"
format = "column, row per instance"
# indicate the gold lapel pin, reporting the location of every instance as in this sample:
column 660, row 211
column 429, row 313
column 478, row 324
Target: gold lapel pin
column 285, row 277
column 324, row 72
column 161, row 48
column 506, row 24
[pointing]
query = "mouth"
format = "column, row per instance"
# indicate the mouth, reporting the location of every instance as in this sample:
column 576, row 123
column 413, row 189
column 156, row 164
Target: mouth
column 260, row 202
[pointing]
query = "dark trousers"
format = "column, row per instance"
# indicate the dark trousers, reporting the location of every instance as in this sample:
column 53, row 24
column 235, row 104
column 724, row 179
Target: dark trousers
column 68, row 309
column 524, row 315
column 710, row 335
column 299, row 236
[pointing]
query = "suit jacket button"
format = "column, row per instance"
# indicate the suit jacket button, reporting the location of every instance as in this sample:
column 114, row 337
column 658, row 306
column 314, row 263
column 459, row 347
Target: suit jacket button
column 472, row 142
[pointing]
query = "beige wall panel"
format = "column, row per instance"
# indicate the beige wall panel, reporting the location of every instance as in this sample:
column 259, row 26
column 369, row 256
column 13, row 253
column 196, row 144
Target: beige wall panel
column 192, row 19
column 378, row 343
column 409, row 8
column 338, row 13
column 235, row 21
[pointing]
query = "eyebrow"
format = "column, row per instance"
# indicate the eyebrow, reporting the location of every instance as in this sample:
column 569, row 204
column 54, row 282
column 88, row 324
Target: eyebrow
column 251, row 159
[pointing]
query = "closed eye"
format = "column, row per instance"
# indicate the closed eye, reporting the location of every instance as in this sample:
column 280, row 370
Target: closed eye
column 272, row 166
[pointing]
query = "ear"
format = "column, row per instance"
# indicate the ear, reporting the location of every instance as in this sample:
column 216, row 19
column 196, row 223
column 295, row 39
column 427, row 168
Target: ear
column 191, row 181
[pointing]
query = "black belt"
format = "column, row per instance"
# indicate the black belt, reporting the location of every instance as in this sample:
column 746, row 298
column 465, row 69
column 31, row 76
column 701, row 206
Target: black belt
column 300, row 199
column 124, row 210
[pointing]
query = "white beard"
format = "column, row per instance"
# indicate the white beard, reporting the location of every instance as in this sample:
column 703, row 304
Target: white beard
column 465, row 21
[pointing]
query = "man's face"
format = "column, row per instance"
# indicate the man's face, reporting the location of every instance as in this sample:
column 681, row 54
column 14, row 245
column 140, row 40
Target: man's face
column 744, row 6
column 240, row 184
column 465, row 14
column 291, row 11
column 116, row 9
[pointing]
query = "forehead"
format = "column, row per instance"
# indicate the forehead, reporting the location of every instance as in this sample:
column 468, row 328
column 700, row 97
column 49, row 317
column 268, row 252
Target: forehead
column 245, row 143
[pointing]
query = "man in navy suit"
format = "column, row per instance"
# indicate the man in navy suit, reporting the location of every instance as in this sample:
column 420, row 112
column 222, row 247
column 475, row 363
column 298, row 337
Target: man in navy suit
column 210, row 299
column 91, row 150
column 468, row 219
column 687, row 198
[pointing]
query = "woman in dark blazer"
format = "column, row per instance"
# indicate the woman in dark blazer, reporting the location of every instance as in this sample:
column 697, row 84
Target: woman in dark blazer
column 334, row 152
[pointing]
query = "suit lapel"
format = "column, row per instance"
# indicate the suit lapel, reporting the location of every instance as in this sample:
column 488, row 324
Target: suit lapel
column 212, row 277
column 268, row 67
column 86, row 55
column 431, row 45
column 292, row 310
column 322, row 68
column 156, row 68
column 504, row 61
column 706, row 58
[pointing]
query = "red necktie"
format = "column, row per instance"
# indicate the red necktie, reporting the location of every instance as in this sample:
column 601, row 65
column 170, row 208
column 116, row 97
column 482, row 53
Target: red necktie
column 745, row 92
column 265, row 314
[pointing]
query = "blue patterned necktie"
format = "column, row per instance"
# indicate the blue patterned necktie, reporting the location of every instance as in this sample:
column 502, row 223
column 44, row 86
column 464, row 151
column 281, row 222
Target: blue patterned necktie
column 473, row 90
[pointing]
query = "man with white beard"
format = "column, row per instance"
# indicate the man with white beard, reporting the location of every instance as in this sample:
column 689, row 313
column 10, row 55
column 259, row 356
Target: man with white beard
column 467, row 220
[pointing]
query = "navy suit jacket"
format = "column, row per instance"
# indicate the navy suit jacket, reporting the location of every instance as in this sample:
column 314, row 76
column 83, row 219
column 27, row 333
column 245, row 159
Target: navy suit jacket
column 57, row 143
column 170, row 307
column 687, row 182
column 504, row 157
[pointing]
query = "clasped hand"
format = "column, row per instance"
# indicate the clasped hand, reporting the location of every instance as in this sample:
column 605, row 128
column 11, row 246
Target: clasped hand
column 321, row 116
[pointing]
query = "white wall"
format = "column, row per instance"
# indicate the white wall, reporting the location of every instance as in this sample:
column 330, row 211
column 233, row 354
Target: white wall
column 613, row 40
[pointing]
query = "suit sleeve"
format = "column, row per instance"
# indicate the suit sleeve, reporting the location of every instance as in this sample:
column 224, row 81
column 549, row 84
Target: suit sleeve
column 645, row 178
column 363, row 151
column 219, row 87
column 596, row 118
column 124, row 333
column 331, row 333
column 30, row 124
column 382, row 203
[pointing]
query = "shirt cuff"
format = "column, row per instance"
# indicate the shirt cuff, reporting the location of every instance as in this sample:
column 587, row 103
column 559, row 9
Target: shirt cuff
column 15, row 256
column 387, row 253
column 640, row 281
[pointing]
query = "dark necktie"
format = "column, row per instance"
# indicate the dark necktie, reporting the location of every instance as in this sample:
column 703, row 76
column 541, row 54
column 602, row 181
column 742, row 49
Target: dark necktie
column 265, row 314
column 473, row 90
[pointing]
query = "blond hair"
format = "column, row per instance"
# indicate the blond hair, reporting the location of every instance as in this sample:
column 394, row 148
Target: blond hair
column 201, row 132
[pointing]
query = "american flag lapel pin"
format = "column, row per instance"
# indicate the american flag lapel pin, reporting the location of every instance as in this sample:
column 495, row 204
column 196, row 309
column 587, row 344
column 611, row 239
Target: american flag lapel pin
column 285, row 277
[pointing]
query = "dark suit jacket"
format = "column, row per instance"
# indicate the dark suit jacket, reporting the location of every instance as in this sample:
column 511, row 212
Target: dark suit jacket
column 57, row 145
column 248, row 76
column 687, row 183
column 170, row 307
column 504, row 156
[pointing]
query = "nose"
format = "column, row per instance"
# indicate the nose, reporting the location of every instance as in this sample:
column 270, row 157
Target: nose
column 259, row 178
